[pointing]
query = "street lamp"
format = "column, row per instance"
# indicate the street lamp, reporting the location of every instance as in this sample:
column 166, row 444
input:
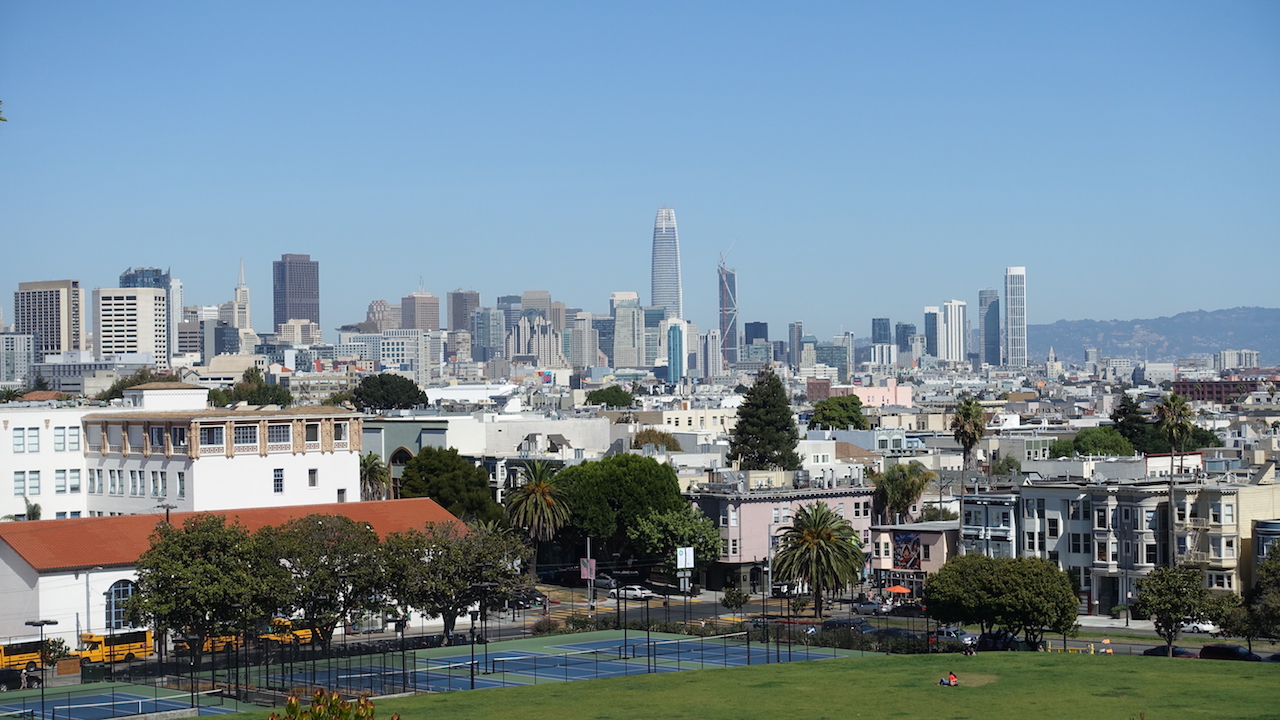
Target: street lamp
column 474, row 614
column 43, row 652
column 484, row 588
column 648, row 639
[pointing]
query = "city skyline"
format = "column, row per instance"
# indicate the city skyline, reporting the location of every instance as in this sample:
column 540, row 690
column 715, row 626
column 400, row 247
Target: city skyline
column 943, row 143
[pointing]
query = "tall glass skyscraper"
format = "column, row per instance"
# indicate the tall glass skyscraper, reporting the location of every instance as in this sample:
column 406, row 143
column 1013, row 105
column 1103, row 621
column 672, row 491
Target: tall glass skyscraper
column 728, row 314
column 295, row 281
column 1015, row 309
column 666, row 264
column 989, row 326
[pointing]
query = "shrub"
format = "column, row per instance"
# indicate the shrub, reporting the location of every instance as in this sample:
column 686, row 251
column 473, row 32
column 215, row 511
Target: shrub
column 545, row 626
column 328, row 706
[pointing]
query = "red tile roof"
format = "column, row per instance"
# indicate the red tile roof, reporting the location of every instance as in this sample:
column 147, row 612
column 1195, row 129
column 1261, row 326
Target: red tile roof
column 43, row 395
column 77, row 543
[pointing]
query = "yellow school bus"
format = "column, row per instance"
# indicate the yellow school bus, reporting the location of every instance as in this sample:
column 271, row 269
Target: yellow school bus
column 20, row 654
column 283, row 632
column 211, row 644
column 117, row 647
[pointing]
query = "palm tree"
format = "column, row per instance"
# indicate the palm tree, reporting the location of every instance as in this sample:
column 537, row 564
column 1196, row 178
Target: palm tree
column 10, row 395
column 901, row 486
column 373, row 477
column 1174, row 416
column 967, row 427
column 33, row 511
column 538, row 506
column 820, row 548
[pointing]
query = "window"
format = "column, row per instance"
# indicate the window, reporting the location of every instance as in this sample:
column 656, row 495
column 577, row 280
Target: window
column 724, row 547
column 178, row 436
column 733, row 518
column 1229, row 513
column 1215, row 513
column 182, row 484
column 1152, row 522
column 59, row 481
column 313, row 432
column 211, row 435
column 1086, row 542
column 1128, row 550
column 155, row 484
column 340, row 430
column 278, row 434
column 840, row 509
column 342, row 495
column 75, row 513
column 246, row 435
column 164, row 484
column 1076, row 546
column 33, row 440
column 1073, row 511
column 1215, row 547
column 60, row 516
column 1031, row 541
column 1182, row 512
column 1053, row 527
column 1040, row 537
column 1229, row 547
column 73, row 439
column 33, row 482
column 776, row 514
column 1152, row 553
column 886, row 549
column 133, row 482
column 1124, row 516
column 968, row 517
column 19, row 483
column 924, row 549
column 117, row 596
column 1102, row 552
column 313, row 477
column 1100, row 519
column 19, row 440
column 277, row 480
column 59, row 439
column 73, row 481
column 866, row 509
column 1115, row 551
column 733, row 546
column 1029, row 508
column 1004, row 519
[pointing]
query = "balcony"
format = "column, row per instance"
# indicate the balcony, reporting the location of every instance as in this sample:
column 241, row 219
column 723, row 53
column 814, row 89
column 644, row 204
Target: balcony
column 1193, row 556
column 1194, row 523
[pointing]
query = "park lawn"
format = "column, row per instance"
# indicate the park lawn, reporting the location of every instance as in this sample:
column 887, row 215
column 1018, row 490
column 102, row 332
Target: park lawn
column 993, row 685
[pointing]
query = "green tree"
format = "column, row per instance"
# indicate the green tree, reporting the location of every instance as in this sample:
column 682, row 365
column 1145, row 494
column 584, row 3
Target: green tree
column 1169, row 595
column 385, row 391
column 839, row 413
column 333, row 565
column 1007, row 465
column 657, row 438
column 933, row 513
column 901, row 486
column 963, row 590
column 765, row 437
column 1173, row 416
column 205, row 578
column 436, row 571
column 374, row 477
column 659, row 533
column 1103, row 440
column 537, row 506
column 33, row 511
column 340, row 399
column 451, row 480
column 967, row 426
column 1034, row 596
column 612, row 396
column 10, row 394
column 143, row 376
column 820, row 548
column 1131, row 423
column 252, row 389
column 608, row 496
column 734, row 599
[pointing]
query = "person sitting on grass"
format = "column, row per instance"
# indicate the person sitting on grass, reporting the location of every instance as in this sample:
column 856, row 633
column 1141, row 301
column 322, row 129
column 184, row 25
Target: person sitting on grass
column 950, row 680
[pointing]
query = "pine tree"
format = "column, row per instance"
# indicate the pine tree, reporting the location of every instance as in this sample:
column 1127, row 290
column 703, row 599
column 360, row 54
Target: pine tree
column 765, row 437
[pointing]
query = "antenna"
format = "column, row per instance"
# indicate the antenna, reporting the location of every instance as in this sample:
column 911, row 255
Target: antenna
column 725, row 255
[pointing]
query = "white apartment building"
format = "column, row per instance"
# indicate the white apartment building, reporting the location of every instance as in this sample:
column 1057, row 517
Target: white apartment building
column 132, row 320
column 42, row 453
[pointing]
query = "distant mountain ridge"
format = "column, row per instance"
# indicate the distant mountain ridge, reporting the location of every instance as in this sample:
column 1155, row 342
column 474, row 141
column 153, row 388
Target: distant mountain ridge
column 1162, row 339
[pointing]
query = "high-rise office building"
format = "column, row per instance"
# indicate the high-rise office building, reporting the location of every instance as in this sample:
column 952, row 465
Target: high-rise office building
column 931, row 327
column 54, row 312
column 712, row 355
column 880, row 332
column 655, row 341
column 420, row 311
column 511, row 308
column 989, row 326
column 628, row 337
column 172, row 286
column 585, row 345
column 666, row 290
column 460, row 303
column 488, row 334
column 795, row 333
column 728, row 288
column 17, row 355
column 236, row 313
column 902, row 333
column 539, row 300
column 675, row 352
column 295, row 282
column 954, row 331
column 132, row 320
column 1015, row 308
column 756, row 331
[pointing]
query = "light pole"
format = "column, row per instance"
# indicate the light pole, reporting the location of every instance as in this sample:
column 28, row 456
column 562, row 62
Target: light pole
column 43, row 652
column 648, row 640
column 474, row 614
column 484, row 588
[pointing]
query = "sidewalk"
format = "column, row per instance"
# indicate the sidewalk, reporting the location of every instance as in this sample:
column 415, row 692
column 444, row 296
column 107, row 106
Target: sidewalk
column 1106, row 622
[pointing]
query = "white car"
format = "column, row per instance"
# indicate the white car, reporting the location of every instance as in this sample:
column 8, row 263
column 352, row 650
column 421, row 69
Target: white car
column 1200, row 626
column 632, row 592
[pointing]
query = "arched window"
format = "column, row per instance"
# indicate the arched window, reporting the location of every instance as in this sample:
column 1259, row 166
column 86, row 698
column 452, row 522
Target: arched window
column 121, row 591
column 401, row 457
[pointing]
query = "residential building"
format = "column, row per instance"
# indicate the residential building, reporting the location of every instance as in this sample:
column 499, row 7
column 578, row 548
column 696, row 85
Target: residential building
column 17, row 358
column 296, row 287
column 954, row 331
column 1015, row 307
column 666, row 287
column 905, row 554
column 130, row 321
column 989, row 326
column 298, row 331
column 54, row 312
column 1233, row 359
column 728, row 290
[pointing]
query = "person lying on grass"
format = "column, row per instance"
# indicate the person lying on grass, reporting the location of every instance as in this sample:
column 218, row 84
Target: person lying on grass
column 950, row 680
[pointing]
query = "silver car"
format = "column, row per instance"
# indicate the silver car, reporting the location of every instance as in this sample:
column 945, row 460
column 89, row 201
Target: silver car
column 632, row 592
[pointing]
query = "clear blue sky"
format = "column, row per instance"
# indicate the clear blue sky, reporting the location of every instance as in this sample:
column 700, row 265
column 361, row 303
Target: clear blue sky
column 868, row 159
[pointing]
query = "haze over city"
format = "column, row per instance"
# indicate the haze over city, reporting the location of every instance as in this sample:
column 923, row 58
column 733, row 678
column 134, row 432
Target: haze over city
column 860, row 160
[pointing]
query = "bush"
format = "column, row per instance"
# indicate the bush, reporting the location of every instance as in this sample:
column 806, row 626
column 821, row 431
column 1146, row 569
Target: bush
column 545, row 626
column 328, row 706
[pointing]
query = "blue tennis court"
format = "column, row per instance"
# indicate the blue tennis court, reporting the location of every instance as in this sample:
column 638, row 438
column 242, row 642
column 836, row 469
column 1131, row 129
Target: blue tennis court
column 101, row 706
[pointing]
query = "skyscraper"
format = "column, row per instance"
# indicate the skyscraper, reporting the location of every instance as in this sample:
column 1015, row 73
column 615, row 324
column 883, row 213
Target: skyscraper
column 756, row 331
column 902, row 333
column 989, row 326
column 236, row 313
column 728, row 313
column 460, row 304
column 295, row 281
column 1015, row 308
column 154, row 278
column 712, row 360
column 666, row 264
column 488, row 333
column 132, row 320
column 931, row 331
column 880, row 332
column 795, row 334
column 420, row 311
column 54, row 312
column 628, row 337
column 675, row 352
column 954, row 331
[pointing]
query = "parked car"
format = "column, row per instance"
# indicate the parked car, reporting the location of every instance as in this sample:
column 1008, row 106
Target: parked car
column 908, row 610
column 1272, row 658
column 11, row 679
column 1178, row 652
column 632, row 592
column 1221, row 651
column 523, row 598
column 857, row 625
column 1200, row 626
column 871, row 607
column 956, row 634
column 999, row 640
column 892, row 633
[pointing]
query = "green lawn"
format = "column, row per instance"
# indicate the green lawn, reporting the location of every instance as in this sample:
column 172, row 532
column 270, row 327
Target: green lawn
column 993, row 685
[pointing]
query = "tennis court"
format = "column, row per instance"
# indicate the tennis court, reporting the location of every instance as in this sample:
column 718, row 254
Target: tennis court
column 100, row 706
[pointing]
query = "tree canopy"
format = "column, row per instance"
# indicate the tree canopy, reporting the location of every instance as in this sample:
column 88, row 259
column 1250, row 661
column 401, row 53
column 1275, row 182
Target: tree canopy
column 116, row 391
column 1025, row 596
column 967, row 427
column 612, row 396
column 386, row 391
column 1146, row 436
column 252, row 389
column 839, row 413
column 765, row 436
column 659, row 533
column 607, row 496
column 820, row 548
column 656, row 437
column 901, row 486
column 1170, row 595
column 1103, row 440
column 459, row 486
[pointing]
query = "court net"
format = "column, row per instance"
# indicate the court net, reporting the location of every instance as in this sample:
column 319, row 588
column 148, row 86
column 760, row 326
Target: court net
column 715, row 645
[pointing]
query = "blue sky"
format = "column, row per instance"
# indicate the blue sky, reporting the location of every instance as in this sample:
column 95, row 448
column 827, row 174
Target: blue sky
column 867, row 159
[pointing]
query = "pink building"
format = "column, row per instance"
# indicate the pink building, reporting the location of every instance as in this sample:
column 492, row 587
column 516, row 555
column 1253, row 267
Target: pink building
column 905, row 554
column 888, row 394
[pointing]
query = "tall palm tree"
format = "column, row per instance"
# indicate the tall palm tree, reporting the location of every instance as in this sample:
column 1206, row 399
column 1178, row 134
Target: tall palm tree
column 374, row 477
column 538, row 506
column 967, row 426
column 1174, row 416
column 33, row 511
column 820, row 548
column 901, row 486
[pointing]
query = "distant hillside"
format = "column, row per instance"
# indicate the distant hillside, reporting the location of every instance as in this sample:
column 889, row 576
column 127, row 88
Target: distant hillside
column 1163, row 339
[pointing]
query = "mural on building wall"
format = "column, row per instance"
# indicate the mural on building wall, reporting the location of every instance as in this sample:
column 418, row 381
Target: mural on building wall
column 906, row 550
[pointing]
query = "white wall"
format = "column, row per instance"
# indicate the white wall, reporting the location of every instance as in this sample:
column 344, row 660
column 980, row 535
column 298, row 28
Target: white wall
column 19, row 600
column 46, row 460
column 62, row 598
